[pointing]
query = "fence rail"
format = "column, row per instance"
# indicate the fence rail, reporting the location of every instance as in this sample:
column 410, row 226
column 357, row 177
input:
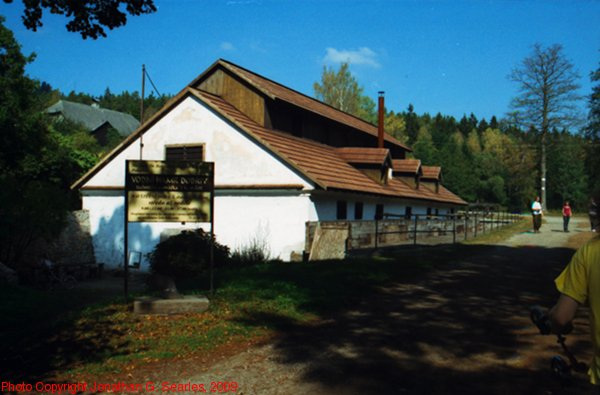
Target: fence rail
column 395, row 230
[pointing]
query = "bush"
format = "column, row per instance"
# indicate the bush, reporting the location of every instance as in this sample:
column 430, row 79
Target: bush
column 257, row 251
column 186, row 254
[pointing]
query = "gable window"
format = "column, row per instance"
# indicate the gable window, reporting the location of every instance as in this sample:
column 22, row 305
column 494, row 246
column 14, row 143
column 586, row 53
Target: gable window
column 358, row 210
column 379, row 211
column 408, row 212
column 342, row 209
column 184, row 152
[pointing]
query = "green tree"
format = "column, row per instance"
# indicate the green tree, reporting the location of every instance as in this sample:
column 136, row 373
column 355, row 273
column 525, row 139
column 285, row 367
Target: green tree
column 34, row 167
column 473, row 143
column 457, row 168
column 340, row 89
column 423, row 147
column 88, row 17
column 441, row 129
column 566, row 170
column 592, row 133
column 395, row 125
column 412, row 124
column 547, row 96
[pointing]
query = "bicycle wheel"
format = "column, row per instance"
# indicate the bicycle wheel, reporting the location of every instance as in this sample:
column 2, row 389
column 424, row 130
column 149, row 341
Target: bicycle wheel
column 560, row 368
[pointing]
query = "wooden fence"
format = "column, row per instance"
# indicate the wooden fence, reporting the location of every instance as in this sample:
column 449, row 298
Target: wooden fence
column 334, row 239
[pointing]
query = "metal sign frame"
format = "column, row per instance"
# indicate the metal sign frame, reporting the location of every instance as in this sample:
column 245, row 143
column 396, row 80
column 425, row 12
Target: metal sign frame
column 164, row 180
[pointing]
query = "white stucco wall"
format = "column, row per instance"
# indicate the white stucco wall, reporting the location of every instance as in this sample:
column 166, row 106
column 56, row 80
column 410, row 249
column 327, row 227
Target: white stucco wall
column 238, row 160
column 275, row 218
column 326, row 206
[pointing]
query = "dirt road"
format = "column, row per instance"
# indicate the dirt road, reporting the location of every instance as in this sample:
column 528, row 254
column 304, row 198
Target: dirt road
column 462, row 328
column 551, row 233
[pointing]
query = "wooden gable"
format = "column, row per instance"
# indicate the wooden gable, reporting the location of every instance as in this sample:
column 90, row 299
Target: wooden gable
column 231, row 88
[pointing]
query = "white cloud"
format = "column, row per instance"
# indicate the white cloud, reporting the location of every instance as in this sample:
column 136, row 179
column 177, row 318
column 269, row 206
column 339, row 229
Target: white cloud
column 227, row 46
column 362, row 56
column 257, row 46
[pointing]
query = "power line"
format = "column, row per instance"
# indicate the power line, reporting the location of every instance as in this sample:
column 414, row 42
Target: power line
column 151, row 82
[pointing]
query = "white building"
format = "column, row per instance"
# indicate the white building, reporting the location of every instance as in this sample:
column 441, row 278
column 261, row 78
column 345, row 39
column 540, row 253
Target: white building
column 281, row 159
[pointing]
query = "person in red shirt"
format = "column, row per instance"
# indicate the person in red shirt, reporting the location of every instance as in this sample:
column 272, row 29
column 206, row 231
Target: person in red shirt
column 566, row 212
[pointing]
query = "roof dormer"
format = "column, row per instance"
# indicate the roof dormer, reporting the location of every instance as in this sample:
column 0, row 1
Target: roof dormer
column 408, row 170
column 374, row 162
column 432, row 176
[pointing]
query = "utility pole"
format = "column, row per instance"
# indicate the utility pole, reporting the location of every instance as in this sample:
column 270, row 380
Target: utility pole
column 142, row 99
column 142, row 108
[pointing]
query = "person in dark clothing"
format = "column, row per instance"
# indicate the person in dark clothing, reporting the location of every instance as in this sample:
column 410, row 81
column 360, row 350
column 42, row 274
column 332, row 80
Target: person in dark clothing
column 593, row 213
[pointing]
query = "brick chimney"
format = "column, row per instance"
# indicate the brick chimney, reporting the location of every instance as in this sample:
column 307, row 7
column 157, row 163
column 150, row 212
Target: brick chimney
column 380, row 114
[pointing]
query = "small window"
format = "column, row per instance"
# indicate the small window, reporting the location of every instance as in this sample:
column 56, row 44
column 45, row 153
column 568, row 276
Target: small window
column 342, row 210
column 358, row 210
column 184, row 152
column 437, row 212
column 408, row 212
column 428, row 212
column 379, row 212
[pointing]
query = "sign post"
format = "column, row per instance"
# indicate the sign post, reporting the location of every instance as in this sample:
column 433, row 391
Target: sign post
column 174, row 191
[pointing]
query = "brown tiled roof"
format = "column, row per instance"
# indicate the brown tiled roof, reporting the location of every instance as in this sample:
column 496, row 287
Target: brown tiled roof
column 361, row 155
column 275, row 90
column 444, row 194
column 406, row 165
column 431, row 172
column 320, row 163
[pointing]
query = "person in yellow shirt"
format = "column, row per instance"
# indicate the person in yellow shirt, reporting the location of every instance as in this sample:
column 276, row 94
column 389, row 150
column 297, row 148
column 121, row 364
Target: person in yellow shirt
column 579, row 284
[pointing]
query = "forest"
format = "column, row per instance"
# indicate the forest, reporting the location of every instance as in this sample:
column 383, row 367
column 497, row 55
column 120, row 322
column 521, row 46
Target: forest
column 500, row 160
column 491, row 161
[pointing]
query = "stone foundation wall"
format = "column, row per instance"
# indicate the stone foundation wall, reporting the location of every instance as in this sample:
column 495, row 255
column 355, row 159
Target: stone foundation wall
column 363, row 234
column 72, row 247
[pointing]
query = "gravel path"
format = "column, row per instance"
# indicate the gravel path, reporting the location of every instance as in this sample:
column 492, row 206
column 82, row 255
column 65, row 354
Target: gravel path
column 551, row 233
column 462, row 328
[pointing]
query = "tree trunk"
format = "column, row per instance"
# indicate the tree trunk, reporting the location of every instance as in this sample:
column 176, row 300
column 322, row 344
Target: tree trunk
column 543, row 172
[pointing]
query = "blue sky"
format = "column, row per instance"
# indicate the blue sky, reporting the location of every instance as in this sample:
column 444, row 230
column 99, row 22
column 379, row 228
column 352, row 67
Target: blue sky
column 442, row 56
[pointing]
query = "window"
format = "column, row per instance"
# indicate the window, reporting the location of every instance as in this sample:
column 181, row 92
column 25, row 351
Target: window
column 342, row 208
column 408, row 212
column 437, row 212
column 379, row 211
column 358, row 210
column 428, row 212
column 184, row 152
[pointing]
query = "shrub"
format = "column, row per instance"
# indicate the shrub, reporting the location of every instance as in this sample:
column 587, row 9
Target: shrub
column 186, row 254
column 257, row 251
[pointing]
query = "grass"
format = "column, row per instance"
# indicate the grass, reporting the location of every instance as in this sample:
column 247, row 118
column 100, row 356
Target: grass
column 496, row 236
column 71, row 341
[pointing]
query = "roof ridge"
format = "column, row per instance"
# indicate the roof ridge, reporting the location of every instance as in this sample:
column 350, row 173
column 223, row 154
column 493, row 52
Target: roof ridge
column 90, row 106
column 276, row 131
column 362, row 125
column 295, row 91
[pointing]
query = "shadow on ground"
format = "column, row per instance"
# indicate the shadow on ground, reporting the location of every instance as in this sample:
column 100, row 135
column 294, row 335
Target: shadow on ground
column 460, row 328
column 49, row 331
